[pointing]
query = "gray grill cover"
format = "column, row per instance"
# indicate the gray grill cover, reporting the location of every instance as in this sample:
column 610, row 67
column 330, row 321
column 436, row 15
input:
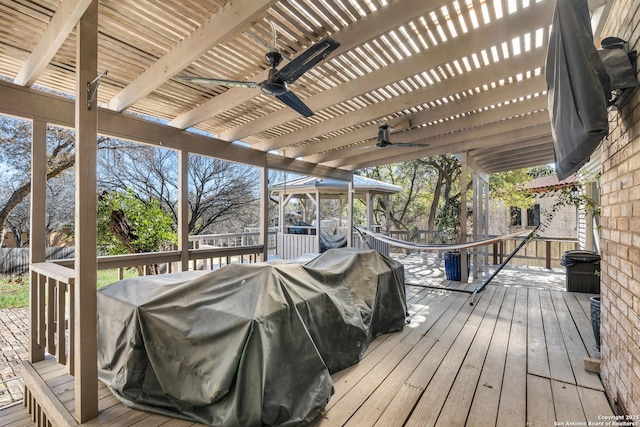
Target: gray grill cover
column 246, row 345
column 578, row 88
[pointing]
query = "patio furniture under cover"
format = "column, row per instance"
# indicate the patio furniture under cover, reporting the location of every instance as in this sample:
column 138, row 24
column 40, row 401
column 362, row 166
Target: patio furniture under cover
column 246, row 345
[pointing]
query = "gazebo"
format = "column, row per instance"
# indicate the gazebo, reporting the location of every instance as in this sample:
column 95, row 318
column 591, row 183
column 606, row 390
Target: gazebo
column 295, row 240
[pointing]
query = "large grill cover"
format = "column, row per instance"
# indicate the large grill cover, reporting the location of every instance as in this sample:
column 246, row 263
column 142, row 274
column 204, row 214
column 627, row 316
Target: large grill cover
column 578, row 88
column 246, row 345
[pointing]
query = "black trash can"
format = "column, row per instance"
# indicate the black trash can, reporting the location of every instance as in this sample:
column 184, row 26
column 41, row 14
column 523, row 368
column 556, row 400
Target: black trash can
column 583, row 271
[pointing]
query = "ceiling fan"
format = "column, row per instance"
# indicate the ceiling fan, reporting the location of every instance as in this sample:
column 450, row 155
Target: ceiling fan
column 384, row 140
column 276, row 83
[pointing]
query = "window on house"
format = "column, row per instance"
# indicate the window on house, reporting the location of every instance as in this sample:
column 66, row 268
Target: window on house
column 533, row 216
column 516, row 216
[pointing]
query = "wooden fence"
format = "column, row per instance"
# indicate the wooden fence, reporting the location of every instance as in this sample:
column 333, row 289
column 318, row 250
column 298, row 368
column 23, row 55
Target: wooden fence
column 15, row 261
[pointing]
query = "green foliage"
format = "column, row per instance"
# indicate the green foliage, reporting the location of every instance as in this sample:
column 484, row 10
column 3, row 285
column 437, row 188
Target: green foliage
column 127, row 224
column 509, row 186
column 409, row 209
column 572, row 196
column 448, row 217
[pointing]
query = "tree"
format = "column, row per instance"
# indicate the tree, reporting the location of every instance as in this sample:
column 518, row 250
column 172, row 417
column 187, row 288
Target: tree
column 448, row 168
column 509, row 187
column 427, row 186
column 15, row 155
column 406, row 208
column 222, row 195
column 128, row 224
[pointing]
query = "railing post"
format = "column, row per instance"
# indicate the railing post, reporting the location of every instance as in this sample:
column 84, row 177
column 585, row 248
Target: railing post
column 36, row 301
column 548, row 254
column 495, row 253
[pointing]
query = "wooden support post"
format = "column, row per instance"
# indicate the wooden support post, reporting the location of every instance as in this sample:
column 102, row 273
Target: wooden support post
column 369, row 197
column 464, row 276
column 475, row 201
column 387, row 212
column 183, row 209
column 487, row 190
column 350, row 213
column 319, row 246
column 264, row 211
column 37, row 238
column 86, row 120
column 547, row 255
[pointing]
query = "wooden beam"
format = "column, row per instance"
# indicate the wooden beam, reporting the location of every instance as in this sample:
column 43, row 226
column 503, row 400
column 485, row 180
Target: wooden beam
column 515, row 154
column 463, row 121
column 36, row 105
column 349, row 37
column 521, row 162
column 466, row 44
column 85, row 301
column 62, row 24
column 234, row 17
column 523, row 127
column 306, row 168
column 514, row 136
column 494, row 72
column 484, row 153
column 365, row 133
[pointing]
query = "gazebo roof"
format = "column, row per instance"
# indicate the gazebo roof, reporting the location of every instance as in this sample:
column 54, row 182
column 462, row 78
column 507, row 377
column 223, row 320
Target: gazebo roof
column 544, row 183
column 361, row 185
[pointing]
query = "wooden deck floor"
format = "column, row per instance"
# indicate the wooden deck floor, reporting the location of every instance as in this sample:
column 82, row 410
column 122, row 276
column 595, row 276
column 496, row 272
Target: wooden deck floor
column 515, row 358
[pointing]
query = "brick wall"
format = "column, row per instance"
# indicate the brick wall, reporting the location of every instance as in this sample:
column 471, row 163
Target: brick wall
column 620, row 233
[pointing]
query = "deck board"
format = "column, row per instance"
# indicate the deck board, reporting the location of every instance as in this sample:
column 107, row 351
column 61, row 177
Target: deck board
column 537, row 359
column 578, row 306
column 540, row 407
column 513, row 358
column 484, row 408
column 566, row 402
column 513, row 406
column 574, row 345
column 559, row 364
column 434, row 396
column 455, row 410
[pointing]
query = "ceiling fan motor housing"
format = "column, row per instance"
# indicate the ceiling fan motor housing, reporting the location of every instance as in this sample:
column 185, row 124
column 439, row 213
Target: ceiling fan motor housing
column 273, row 58
column 273, row 85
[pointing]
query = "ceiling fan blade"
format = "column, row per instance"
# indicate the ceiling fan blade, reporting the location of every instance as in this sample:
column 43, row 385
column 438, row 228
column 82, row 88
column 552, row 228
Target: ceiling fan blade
column 307, row 60
column 408, row 144
column 221, row 82
column 362, row 147
column 292, row 100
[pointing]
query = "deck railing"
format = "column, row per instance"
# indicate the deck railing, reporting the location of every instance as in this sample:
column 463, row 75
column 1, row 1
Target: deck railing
column 52, row 283
column 540, row 252
column 52, row 311
column 51, row 292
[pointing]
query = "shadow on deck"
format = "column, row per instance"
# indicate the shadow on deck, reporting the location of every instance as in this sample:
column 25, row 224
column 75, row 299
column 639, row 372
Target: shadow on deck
column 514, row 358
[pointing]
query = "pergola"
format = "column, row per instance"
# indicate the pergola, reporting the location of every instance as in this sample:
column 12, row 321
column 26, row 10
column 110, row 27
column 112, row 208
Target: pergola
column 465, row 77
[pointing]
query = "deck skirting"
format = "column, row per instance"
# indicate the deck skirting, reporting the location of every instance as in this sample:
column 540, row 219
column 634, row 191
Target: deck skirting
column 41, row 402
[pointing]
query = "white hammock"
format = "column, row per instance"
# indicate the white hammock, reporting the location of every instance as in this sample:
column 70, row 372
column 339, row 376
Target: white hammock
column 432, row 247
